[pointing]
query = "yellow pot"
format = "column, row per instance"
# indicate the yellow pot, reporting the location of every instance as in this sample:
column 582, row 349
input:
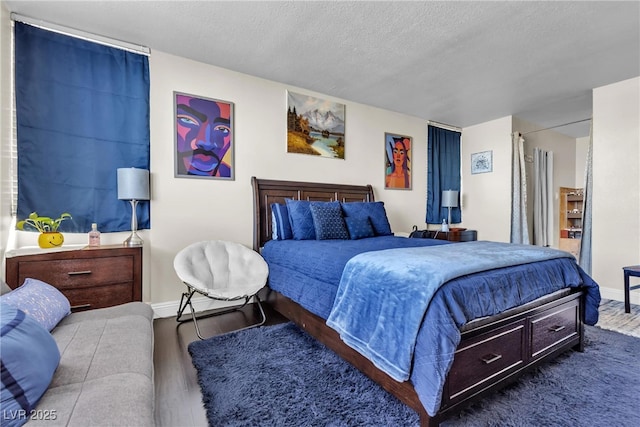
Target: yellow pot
column 51, row 239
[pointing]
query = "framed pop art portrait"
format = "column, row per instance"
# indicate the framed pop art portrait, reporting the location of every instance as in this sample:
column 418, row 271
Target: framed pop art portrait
column 397, row 161
column 315, row 126
column 204, row 146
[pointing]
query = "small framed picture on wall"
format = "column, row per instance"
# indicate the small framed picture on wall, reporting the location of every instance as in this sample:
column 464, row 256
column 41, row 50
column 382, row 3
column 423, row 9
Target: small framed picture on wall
column 397, row 161
column 482, row 162
column 204, row 146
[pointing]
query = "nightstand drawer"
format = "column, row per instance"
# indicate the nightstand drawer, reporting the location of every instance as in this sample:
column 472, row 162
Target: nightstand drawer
column 90, row 278
column 482, row 358
column 79, row 273
column 99, row 296
column 553, row 327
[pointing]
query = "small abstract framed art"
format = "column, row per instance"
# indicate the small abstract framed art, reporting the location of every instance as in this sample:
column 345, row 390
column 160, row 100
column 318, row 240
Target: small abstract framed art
column 397, row 161
column 204, row 146
column 482, row 162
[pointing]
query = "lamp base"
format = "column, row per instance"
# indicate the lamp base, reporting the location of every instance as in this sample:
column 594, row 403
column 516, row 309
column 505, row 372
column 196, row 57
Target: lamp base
column 133, row 240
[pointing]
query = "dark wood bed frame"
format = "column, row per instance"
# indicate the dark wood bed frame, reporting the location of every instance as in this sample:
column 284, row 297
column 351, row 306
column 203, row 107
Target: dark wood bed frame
column 494, row 351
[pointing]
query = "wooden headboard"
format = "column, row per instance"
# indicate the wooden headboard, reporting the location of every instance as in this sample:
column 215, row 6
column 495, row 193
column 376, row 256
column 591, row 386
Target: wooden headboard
column 268, row 191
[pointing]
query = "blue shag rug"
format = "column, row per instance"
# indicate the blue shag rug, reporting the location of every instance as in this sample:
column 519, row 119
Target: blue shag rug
column 280, row 376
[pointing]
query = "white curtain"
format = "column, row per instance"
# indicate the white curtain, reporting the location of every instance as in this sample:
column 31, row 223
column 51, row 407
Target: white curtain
column 542, row 197
column 519, row 227
column 585, row 242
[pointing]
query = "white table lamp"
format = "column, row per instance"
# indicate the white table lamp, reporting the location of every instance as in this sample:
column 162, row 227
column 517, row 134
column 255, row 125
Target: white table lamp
column 449, row 200
column 133, row 185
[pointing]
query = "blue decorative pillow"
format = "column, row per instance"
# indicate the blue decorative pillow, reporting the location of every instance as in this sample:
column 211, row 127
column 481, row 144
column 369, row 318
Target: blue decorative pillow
column 39, row 300
column 359, row 227
column 281, row 225
column 29, row 356
column 328, row 221
column 374, row 211
column 302, row 226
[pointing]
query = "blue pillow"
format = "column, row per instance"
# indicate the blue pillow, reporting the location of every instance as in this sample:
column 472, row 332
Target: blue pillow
column 374, row 211
column 359, row 227
column 39, row 300
column 328, row 221
column 29, row 356
column 281, row 225
column 302, row 226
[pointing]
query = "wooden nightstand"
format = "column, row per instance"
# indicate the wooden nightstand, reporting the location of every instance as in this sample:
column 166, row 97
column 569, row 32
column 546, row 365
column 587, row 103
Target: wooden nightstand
column 90, row 277
column 454, row 236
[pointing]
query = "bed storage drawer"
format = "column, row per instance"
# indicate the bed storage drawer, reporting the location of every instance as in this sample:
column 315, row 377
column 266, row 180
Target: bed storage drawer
column 553, row 327
column 485, row 357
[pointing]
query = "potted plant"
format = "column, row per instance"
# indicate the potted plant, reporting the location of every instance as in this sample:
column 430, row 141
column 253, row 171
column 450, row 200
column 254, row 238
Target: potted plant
column 48, row 228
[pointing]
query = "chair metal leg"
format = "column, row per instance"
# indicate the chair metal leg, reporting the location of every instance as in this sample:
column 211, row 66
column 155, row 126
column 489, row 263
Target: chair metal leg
column 185, row 301
column 264, row 317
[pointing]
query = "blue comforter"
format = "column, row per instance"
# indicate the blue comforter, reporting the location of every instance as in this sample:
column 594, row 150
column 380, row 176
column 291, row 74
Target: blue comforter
column 309, row 273
column 378, row 287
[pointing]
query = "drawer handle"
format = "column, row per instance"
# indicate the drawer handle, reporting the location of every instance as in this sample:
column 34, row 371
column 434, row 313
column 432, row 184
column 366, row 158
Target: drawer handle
column 75, row 307
column 490, row 358
column 556, row 328
column 77, row 273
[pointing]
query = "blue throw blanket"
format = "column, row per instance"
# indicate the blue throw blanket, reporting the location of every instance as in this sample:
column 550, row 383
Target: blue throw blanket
column 378, row 288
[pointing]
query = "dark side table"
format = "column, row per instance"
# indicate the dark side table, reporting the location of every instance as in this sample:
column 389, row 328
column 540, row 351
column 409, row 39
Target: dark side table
column 633, row 270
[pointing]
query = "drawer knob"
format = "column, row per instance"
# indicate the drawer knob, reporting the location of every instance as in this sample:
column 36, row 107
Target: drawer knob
column 556, row 328
column 490, row 358
column 77, row 273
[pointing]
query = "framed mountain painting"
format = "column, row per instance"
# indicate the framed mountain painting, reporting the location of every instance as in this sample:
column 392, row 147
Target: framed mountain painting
column 315, row 126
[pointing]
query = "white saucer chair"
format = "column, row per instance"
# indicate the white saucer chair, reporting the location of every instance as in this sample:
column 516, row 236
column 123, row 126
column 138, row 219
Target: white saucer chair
column 220, row 270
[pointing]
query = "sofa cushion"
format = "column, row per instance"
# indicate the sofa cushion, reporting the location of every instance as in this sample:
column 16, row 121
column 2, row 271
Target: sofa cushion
column 105, row 376
column 39, row 300
column 99, row 346
column 29, row 358
column 116, row 400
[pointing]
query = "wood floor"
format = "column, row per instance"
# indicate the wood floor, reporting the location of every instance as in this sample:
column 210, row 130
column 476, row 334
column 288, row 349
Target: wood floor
column 178, row 397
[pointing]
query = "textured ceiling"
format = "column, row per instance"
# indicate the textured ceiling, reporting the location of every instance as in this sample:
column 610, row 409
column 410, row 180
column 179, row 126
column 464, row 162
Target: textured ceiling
column 459, row 63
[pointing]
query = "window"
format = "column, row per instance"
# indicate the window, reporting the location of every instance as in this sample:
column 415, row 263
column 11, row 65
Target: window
column 82, row 111
column 443, row 172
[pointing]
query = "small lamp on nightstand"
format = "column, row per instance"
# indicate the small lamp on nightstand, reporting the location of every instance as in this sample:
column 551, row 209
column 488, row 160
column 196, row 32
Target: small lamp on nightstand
column 449, row 200
column 133, row 185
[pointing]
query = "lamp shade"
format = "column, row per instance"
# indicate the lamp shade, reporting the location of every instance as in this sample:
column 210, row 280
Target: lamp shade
column 449, row 199
column 133, row 184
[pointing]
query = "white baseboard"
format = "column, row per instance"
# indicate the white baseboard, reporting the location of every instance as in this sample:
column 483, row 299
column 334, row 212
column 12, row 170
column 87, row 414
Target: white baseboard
column 618, row 295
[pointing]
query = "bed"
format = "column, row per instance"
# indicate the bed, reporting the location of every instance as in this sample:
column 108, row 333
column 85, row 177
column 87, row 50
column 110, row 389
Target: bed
column 489, row 352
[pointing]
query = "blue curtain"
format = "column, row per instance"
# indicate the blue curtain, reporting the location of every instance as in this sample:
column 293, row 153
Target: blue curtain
column 443, row 173
column 82, row 112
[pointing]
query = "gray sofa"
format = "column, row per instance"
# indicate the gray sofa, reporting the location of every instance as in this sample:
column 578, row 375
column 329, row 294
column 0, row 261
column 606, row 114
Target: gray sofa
column 105, row 375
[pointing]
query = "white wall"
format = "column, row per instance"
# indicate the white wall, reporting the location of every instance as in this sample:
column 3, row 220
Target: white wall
column 486, row 197
column 616, row 184
column 186, row 210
